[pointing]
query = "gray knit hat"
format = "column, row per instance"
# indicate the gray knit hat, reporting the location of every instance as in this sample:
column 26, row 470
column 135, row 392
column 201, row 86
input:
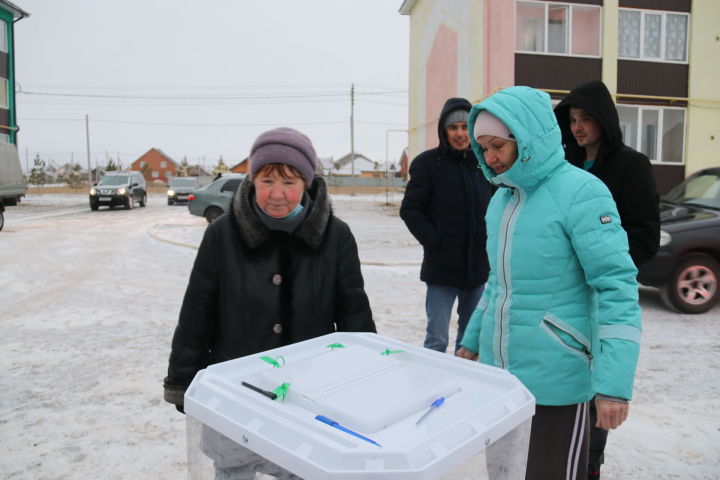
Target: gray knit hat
column 457, row 115
column 287, row 146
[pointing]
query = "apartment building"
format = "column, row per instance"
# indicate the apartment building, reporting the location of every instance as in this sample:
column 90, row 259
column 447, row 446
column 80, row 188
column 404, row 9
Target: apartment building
column 660, row 59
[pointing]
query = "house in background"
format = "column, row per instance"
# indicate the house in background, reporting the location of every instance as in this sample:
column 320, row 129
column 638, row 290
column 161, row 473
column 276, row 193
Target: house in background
column 660, row 59
column 155, row 165
column 196, row 171
column 404, row 164
column 345, row 166
column 325, row 165
column 241, row 167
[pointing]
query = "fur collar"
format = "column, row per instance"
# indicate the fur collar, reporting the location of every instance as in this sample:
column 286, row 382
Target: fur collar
column 254, row 233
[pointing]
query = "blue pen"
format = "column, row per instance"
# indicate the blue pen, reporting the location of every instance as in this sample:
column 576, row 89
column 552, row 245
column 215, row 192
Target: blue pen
column 434, row 406
column 333, row 423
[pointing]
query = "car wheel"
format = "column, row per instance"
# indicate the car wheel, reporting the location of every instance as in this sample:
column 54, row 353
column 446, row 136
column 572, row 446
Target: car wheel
column 94, row 206
column 130, row 203
column 2, row 220
column 143, row 201
column 170, row 202
column 212, row 213
column 693, row 285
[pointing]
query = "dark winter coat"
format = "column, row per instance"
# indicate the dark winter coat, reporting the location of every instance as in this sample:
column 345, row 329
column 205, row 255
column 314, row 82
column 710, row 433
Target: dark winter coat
column 252, row 289
column 626, row 172
column 444, row 208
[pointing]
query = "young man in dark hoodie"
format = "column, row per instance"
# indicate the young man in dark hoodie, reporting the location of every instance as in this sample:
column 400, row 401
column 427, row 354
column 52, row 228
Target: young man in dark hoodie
column 593, row 141
column 444, row 208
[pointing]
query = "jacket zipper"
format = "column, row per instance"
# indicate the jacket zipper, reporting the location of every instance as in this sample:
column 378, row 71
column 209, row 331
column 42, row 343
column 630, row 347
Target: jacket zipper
column 585, row 349
column 505, row 280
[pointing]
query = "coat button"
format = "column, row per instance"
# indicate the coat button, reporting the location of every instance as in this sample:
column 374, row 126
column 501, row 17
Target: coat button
column 277, row 328
column 277, row 279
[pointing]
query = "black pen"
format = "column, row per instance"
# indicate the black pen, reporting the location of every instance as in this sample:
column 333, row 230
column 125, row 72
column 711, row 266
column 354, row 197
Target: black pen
column 268, row 394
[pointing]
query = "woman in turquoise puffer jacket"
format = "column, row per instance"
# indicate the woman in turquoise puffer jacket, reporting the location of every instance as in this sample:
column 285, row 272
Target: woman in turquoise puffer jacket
column 560, row 310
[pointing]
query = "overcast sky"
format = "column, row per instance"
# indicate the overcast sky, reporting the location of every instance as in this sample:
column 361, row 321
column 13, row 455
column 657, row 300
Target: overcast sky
column 204, row 79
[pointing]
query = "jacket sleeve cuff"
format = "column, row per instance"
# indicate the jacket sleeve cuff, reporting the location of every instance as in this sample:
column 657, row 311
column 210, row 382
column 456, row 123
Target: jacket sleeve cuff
column 174, row 392
column 610, row 398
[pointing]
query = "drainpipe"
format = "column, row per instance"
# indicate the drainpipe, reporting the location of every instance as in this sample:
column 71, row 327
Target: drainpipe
column 14, row 114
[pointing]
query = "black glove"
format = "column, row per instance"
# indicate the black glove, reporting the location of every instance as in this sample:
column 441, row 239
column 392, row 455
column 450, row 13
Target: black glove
column 174, row 392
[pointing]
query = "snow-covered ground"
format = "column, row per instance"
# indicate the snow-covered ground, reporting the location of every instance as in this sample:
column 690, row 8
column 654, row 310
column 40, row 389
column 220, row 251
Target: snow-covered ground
column 89, row 301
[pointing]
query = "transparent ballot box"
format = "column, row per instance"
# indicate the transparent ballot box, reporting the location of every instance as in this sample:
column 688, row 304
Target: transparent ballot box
column 351, row 405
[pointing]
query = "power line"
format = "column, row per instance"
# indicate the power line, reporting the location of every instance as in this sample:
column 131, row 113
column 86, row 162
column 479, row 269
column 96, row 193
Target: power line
column 203, row 97
column 196, row 125
column 165, row 88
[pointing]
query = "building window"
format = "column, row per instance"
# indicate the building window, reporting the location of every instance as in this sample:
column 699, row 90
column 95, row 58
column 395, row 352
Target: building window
column 557, row 28
column 658, row 132
column 156, row 174
column 653, row 35
column 3, row 37
column 163, row 164
column 3, row 93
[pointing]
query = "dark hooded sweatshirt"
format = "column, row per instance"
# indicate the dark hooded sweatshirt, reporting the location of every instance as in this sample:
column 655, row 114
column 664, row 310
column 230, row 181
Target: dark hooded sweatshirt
column 626, row 172
column 444, row 208
column 252, row 289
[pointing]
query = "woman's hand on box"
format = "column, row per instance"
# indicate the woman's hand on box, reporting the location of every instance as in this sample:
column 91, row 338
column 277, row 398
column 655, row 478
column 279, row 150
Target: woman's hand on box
column 465, row 353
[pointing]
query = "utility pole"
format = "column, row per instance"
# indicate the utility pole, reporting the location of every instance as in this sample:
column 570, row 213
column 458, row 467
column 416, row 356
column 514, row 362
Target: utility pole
column 87, row 138
column 387, row 162
column 352, row 138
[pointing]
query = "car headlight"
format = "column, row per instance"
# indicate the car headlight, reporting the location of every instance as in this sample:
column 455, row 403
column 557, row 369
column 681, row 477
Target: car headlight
column 121, row 191
column 93, row 191
column 665, row 238
column 171, row 193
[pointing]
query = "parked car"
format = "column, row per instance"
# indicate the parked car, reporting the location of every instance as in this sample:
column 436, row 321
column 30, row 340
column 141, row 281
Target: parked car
column 214, row 200
column 180, row 187
column 687, row 267
column 119, row 188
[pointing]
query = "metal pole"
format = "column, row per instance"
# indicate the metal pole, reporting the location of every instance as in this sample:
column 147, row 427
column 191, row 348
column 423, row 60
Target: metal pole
column 387, row 160
column 352, row 138
column 387, row 167
column 87, row 138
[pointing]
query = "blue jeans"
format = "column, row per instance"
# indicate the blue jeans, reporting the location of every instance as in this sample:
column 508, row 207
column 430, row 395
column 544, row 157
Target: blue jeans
column 438, row 306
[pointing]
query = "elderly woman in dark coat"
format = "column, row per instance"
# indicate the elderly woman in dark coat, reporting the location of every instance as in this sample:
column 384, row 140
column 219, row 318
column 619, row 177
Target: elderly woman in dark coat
column 278, row 268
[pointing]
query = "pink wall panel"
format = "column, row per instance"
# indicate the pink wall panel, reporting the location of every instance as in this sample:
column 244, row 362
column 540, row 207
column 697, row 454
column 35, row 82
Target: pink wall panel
column 499, row 44
column 440, row 79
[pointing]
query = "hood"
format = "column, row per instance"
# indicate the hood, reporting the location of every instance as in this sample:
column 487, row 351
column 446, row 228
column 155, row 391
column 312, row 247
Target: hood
column 529, row 116
column 182, row 189
column 680, row 216
column 594, row 98
column 450, row 105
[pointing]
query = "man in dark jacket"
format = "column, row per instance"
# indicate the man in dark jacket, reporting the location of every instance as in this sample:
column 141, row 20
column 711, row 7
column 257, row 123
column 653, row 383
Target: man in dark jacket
column 444, row 208
column 593, row 140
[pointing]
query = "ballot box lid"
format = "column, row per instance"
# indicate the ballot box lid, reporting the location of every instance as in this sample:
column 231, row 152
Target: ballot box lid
column 347, row 405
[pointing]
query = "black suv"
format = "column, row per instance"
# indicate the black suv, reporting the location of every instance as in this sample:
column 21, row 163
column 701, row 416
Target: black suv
column 119, row 188
column 687, row 267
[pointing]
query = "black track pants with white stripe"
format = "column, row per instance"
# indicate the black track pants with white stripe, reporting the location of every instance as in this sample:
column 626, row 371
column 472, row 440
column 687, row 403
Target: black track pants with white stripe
column 559, row 443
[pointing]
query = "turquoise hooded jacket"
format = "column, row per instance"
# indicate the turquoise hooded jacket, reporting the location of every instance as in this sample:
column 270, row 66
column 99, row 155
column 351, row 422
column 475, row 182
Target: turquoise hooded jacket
column 560, row 310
